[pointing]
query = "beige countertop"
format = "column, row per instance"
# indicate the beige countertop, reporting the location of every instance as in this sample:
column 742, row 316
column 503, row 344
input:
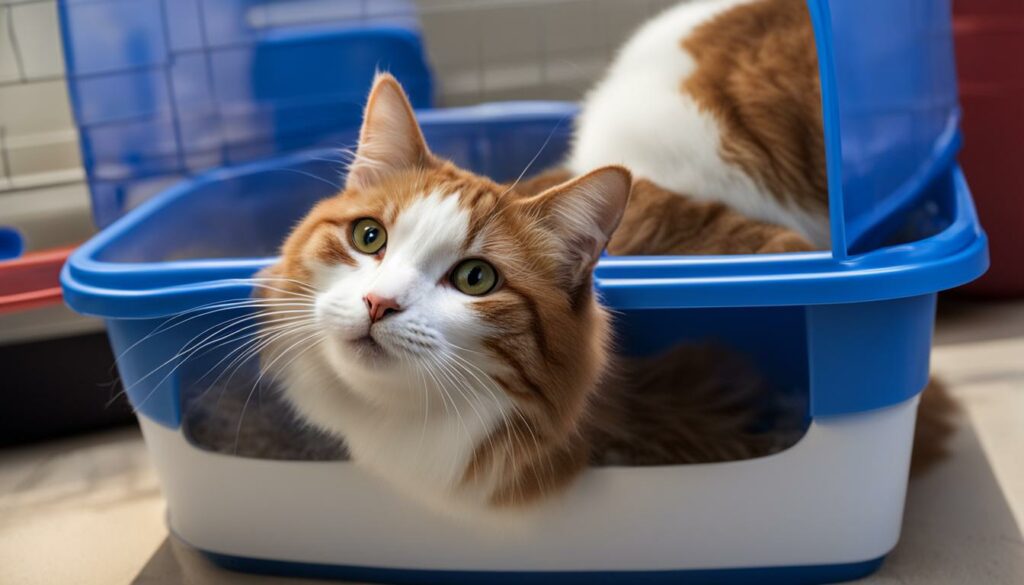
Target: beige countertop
column 88, row 510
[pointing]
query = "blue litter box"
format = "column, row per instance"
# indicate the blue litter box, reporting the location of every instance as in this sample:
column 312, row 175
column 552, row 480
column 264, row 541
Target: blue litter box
column 849, row 330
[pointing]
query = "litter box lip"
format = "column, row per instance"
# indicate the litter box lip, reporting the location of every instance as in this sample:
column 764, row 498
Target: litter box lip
column 954, row 256
column 951, row 257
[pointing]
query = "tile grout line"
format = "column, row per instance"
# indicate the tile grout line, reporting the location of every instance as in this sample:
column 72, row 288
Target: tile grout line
column 15, row 48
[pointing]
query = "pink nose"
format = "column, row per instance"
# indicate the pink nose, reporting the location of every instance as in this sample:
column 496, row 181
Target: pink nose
column 380, row 307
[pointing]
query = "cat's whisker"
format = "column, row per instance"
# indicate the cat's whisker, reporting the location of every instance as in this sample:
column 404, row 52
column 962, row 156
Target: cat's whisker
column 227, row 340
column 259, row 280
column 262, row 342
column 540, row 150
column 492, row 388
column 457, row 419
column 498, row 408
column 472, row 391
column 255, row 385
column 465, row 349
column 336, row 186
column 447, row 377
column 206, row 310
column 182, row 357
column 255, row 338
column 191, row 346
column 341, row 162
column 458, row 412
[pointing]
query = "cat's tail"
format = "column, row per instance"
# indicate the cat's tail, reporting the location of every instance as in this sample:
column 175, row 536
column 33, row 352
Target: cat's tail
column 937, row 415
column 694, row 403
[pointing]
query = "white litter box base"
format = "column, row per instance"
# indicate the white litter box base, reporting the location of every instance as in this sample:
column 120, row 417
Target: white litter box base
column 835, row 497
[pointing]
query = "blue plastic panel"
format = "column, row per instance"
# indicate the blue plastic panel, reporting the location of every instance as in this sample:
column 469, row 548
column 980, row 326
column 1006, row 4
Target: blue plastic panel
column 868, row 355
column 168, row 88
column 891, row 114
column 149, row 372
column 112, row 35
column 234, row 22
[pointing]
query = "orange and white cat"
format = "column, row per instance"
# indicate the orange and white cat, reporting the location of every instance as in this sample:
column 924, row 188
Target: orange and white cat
column 462, row 339
column 461, row 347
column 460, row 350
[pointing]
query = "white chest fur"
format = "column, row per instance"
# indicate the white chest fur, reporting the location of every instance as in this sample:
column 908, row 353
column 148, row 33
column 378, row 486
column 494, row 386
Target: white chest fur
column 422, row 449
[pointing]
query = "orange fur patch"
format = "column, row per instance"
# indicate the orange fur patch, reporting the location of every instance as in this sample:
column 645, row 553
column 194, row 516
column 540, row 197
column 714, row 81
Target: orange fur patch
column 757, row 74
column 658, row 222
column 937, row 415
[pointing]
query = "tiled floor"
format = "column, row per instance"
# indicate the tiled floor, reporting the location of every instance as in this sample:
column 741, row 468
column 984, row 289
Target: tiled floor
column 89, row 510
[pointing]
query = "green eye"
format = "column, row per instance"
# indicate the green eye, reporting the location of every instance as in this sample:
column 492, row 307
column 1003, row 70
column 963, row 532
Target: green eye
column 368, row 236
column 474, row 277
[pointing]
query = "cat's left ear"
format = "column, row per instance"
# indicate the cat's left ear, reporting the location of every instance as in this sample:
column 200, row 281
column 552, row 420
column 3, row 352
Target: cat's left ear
column 581, row 215
column 390, row 139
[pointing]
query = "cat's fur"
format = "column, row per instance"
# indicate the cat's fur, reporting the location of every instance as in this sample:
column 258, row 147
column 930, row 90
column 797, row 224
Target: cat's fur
column 479, row 402
column 417, row 394
column 659, row 222
column 718, row 100
column 497, row 401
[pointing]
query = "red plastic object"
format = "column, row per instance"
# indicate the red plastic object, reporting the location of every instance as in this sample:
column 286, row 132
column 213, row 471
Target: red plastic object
column 32, row 281
column 990, row 63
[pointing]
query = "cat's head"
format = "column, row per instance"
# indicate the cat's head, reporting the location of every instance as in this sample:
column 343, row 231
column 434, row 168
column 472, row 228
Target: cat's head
column 430, row 283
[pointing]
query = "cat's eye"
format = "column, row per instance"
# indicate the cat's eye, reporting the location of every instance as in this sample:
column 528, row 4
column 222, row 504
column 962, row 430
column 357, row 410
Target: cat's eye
column 368, row 236
column 474, row 277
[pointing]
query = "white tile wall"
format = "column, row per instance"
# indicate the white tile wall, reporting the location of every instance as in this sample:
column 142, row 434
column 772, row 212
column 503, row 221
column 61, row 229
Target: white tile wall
column 486, row 50
column 38, row 36
column 8, row 63
column 38, row 140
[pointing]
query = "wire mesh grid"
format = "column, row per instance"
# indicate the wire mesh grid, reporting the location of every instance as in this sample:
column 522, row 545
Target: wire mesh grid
column 479, row 50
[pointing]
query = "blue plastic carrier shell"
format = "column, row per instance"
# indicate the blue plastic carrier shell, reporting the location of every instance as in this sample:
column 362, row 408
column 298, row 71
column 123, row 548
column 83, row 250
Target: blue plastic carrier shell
column 164, row 89
column 848, row 328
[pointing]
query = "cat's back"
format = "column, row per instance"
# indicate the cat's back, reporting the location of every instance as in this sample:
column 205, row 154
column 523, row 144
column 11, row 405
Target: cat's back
column 718, row 100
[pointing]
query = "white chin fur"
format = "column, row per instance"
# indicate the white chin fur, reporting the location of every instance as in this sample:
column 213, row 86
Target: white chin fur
column 421, row 445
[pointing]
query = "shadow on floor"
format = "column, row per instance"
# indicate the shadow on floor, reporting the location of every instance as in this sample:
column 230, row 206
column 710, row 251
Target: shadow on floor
column 964, row 320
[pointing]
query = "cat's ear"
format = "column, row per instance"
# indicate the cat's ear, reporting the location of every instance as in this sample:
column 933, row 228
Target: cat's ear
column 581, row 215
column 390, row 139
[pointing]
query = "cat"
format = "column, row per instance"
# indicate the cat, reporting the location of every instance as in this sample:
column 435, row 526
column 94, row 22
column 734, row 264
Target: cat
column 455, row 316
column 454, row 340
column 456, row 343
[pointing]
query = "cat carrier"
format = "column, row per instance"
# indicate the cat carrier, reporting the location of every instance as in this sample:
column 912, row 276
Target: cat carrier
column 845, row 333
